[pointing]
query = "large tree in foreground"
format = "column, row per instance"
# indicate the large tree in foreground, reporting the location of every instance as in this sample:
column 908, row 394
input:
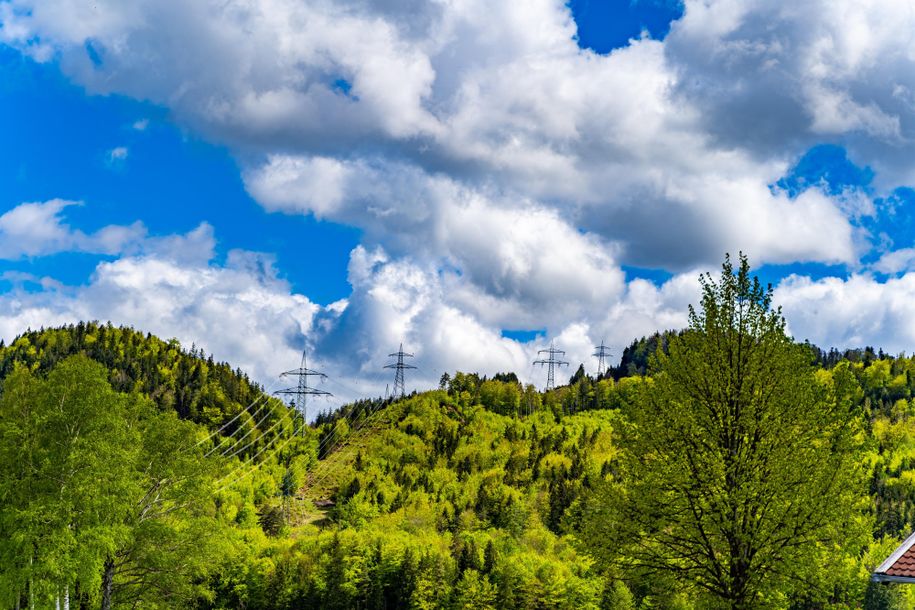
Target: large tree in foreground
column 104, row 500
column 739, row 470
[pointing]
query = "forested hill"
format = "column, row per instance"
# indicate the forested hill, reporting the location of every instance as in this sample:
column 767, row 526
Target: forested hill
column 636, row 357
column 186, row 380
column 475, row 495
column 471, row 497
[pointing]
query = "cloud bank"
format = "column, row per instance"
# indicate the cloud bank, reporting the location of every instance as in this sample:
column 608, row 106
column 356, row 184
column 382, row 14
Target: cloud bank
column 502, row 176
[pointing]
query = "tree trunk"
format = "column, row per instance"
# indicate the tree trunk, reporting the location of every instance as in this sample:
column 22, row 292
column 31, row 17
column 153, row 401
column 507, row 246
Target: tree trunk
column 82, row 600
column 67, row 597
column 107, row 581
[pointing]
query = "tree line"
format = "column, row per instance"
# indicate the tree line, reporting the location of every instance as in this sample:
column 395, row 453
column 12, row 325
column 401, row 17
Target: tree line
column 723, row 465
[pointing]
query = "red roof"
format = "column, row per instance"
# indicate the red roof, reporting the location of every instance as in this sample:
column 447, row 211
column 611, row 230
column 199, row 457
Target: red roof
column 905, row 565
column 900, row 566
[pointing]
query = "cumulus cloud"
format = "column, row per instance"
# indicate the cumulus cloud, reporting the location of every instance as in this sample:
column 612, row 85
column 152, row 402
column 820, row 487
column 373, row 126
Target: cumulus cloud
column 38, row 229
column 852, row 312
column 239, row 311
column 769, row 74
column 339, row 99
column 243, row 312
column 396, row 300
column 895, row 261
column 502, row 176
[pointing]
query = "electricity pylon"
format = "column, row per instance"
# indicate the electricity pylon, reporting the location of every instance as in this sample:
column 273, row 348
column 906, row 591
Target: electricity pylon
column 551, row 361
column 302, row 390
column 399, row 368
column 602, row 353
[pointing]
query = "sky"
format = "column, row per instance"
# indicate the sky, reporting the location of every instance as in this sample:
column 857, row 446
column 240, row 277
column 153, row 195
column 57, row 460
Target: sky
column 471, row 179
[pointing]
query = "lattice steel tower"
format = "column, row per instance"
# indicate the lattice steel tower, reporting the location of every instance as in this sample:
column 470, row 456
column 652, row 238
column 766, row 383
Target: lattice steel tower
column 302, row 390
column 399, row 368
column 602, row 353
column 551, row 361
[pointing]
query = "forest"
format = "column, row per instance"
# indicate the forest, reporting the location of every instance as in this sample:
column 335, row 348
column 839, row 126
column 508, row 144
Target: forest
column 719, row 466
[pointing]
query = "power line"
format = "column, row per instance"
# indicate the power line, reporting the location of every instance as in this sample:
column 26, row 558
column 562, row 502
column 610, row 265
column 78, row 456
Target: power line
column 340, row 447
column 291, row 438
column 332, row 442
column 254, row 418
column 264, row 393
column 399, row 368
column 551, row 361
column 232, row 451
column 603, row 354
column 302, row 390
column 331, row 436
column 352, row 418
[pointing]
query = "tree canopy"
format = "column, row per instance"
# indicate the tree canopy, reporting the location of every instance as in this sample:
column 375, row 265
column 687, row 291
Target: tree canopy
column 126, row 478
column 740, row 467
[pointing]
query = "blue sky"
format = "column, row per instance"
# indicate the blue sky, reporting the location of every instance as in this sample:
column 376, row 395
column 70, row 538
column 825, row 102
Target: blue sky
column 471, row 181
column 57, row 141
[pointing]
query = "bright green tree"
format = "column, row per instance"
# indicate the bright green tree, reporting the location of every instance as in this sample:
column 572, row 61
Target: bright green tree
column 20, row 492
column 92, row 442
column 68, row 449
column 739, row 471
column 103, row 499
column 173, row 539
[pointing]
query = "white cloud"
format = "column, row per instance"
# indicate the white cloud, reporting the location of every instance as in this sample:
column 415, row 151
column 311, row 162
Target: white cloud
column 500, row 175
column 19, row 279
column 117, row 157
column 350, row 104
column 770, row 75
column 240, row 311
column 294, row 184
column 397, row 300
column 118, row 153
column 854, row 312
column 895, row 261
column 38, row 229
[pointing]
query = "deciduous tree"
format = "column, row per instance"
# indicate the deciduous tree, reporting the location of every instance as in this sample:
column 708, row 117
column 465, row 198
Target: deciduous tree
column 738, row 471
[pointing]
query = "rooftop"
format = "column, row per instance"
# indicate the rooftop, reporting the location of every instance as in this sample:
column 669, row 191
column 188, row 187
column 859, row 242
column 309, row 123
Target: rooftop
column 900, row 566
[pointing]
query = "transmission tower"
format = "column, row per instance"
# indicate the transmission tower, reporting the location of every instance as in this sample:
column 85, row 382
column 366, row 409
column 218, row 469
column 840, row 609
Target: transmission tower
column 551, row 361
column 399, row 368
column 602, row 353
column 302, row 391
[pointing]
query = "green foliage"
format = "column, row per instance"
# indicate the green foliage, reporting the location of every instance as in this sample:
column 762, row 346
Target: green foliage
column 186, row 381
column 741, row 468
column 636, row 357
column 617, row 596
column 447, row 505
column 68, row 443
column 104, row 497
column 483, row 494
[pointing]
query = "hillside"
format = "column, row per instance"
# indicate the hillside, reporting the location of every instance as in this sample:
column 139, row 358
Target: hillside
column 470, row 496
column 445, row 502
column 185, row 381
column 474, row 494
